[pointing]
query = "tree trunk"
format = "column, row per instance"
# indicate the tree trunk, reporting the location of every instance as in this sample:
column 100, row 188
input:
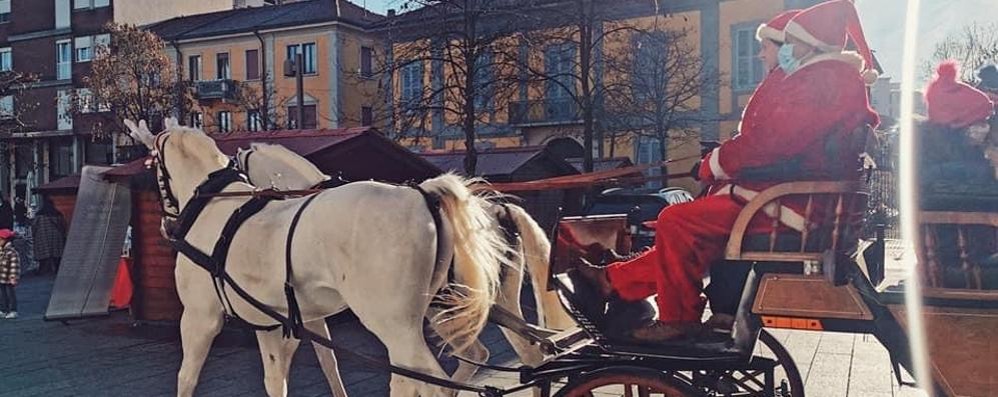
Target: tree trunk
column 471, row 53
column 585, row 54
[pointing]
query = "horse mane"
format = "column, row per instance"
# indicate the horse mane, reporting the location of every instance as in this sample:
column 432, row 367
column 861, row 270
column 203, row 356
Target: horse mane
column 198, row 144
column 291, row 159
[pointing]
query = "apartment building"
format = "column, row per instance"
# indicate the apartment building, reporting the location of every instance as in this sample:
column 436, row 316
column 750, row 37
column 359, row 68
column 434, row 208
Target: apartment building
column 236, row 59
column 56, row 40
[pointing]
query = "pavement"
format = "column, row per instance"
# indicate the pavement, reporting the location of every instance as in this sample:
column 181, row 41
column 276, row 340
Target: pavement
column 112, row 356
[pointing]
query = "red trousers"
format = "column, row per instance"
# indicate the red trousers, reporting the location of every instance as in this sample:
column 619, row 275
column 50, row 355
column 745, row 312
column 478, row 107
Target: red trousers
column 689, row 237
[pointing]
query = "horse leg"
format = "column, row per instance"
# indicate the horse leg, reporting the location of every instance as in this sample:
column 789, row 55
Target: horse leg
column 197, row 330
column 276, row 352
column 407, row 348
column 327, row 358
column 477, row 352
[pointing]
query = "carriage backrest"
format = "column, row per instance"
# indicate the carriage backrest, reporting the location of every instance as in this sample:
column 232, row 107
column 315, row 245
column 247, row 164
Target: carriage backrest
column 834, row 212
column 958, row 250
column 587, row 237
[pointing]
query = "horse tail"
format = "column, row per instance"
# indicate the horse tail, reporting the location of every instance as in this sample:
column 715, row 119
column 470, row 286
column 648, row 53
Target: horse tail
column 536, row 253
column 479, row 253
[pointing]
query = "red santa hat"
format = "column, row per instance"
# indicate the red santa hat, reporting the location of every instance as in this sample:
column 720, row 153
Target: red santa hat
column 6, row 234
column 773, row 29
column 953, row 103
column 829, row 26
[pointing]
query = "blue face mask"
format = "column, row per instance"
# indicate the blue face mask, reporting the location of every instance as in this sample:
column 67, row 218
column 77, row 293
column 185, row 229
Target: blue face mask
column 786, row 58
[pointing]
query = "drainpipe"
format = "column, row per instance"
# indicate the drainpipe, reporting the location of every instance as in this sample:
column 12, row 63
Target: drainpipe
column 181, row 113
column 265, row 94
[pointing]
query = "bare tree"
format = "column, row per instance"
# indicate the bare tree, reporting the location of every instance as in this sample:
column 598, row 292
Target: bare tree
column 467, row 46
column 13, row 106
column 573, row 41
column 255, row 99
column 656, row 87
column 974, row 46
column 131, row 78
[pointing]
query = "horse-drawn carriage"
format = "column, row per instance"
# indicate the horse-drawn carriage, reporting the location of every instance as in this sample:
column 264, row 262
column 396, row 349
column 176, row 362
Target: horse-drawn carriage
column 817, row 277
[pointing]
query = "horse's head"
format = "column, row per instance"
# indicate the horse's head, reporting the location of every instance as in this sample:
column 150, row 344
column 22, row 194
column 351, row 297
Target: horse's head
column 278, row 167
column 183, row 157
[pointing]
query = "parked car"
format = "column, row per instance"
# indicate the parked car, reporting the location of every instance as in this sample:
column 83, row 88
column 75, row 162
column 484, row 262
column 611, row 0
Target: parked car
column 640, row 205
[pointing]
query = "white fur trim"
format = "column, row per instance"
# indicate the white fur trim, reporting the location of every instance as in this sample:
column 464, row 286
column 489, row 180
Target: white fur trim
column 788, row 217
column 715, row 165
column 849, row 57
column 798, row 31
column 768, row 32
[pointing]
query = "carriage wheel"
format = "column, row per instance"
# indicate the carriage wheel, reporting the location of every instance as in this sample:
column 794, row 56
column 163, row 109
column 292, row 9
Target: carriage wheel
column 626, row 382
column 786, row 380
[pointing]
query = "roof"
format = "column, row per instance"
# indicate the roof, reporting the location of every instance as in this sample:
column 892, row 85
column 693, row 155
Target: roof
column 305, row 143
column 69, row 183
column 503, row 161
column 602, row 164
column 245, row 20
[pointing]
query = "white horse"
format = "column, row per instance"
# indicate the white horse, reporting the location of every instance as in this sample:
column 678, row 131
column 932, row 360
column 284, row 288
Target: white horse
column 370, row 247
column 283, row 169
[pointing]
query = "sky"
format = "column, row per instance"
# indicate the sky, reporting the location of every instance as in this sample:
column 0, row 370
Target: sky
column 883, row 21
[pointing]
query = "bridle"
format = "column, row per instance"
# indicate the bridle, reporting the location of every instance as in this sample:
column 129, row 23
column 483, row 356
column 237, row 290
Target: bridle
column 169, row 204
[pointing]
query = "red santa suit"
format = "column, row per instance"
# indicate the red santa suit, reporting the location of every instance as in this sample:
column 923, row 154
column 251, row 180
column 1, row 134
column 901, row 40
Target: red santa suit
column 797, row 119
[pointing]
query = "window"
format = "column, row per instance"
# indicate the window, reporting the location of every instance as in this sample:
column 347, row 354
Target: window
column 83, row 51
column 308, row 51
column 412, row 82
column 63, row 59
column 559, row 64
column 60, row 158
column 309, row 117
column 4, row 11
column 24, row 160
column 253, row 120
column 224, row 121
column 101, row 40
column 252, row 64
column 483, row 81
column 747, row 66
column 197, row 120
column 222, row 71
column 88, row 4
column 98, row 152
column 7, row 107
column 647, row 79
column 366, row 62
column 65, row 118
column 6, row 60
column 85, row 100
column 649, row 150
column 63, row 9
column 194, row 67
column 366, row 116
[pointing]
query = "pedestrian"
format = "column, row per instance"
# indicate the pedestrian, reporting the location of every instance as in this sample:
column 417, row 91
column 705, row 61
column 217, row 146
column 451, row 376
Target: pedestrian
column 10, row 273
column 6, row 213
column 49, row 232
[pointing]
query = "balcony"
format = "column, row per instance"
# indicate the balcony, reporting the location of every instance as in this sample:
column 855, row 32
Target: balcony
column 209, row 90
column 544, row 112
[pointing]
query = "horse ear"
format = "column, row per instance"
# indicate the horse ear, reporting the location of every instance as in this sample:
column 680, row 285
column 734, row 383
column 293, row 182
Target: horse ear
column 140, row 132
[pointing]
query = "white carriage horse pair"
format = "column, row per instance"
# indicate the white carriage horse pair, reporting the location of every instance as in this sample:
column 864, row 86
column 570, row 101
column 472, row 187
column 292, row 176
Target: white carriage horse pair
column 341, row 256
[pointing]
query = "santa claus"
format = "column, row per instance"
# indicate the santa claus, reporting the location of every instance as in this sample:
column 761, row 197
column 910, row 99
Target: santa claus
column 819, row 103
